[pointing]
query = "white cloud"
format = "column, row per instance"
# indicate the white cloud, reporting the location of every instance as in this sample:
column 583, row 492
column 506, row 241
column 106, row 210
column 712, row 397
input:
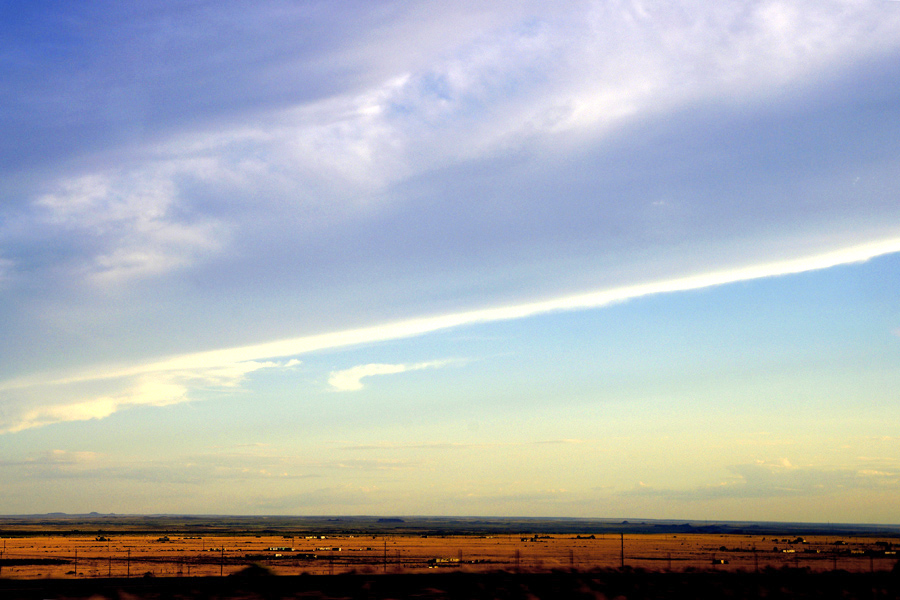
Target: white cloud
column 95, row 408
column 158, row 388
column 524, row 79
column 127, row 220
column 65, row 457
column 169, row 381
column 520, row 75
column 145, row 391
column 350, row 379
column 424, row 325
column 590, row 70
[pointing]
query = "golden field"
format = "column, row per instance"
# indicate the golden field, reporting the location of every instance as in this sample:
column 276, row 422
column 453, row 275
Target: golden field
column 67, row 555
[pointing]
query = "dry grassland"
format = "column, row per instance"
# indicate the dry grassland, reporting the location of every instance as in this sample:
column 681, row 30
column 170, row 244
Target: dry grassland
column 168, row 555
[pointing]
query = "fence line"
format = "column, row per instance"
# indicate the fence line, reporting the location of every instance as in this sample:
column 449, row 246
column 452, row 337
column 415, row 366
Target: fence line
column 140, row 557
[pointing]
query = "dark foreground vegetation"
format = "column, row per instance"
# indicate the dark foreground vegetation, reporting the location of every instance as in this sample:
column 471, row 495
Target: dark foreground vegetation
column 256, row 583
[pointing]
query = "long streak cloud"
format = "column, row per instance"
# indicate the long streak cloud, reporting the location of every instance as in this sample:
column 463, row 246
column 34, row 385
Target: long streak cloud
column 229, row 366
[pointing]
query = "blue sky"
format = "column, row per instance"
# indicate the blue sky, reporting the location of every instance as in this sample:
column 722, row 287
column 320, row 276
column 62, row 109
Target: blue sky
column 613, row 259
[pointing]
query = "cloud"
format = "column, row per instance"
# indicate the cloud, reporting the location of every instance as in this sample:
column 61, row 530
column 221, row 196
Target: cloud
column 162, row 387
column 779, row 479
column 55, row 464
column 334, row 499
column 490, row 156
column 95, row 408
column 351, row 379
column 430, row 446
column 518, row 83
column 128, row 221
column 169, row 381
column 58, row 457
column 457, row 445
column 420, row 326
column 552, row 499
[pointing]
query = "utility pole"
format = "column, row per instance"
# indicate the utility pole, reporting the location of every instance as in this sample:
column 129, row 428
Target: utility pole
column 222, row 562
column 76, row 563
column 384, row 558
column 128, row 563
column 622, row 550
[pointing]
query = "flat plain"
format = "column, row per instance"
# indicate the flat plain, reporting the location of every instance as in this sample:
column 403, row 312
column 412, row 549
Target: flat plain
column 121, row 547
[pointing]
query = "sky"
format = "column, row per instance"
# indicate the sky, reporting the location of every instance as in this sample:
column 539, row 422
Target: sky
column 612, row 259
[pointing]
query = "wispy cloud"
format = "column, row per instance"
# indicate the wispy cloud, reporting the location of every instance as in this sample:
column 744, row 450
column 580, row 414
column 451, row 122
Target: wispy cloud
column 203, row 361
column 169, row 381
column 351, row 379
column 778, row 479
column 57, row 457
column 516, row 82
column 129, row 224
column 159, row 388
column 310, row 177
column 457, row 445
column 429, row 446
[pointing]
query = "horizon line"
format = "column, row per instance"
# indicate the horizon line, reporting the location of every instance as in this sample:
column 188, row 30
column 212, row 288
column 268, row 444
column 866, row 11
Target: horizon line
column 612, row 520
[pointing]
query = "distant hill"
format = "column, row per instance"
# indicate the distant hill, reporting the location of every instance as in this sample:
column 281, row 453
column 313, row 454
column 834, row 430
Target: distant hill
column 212, row 524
